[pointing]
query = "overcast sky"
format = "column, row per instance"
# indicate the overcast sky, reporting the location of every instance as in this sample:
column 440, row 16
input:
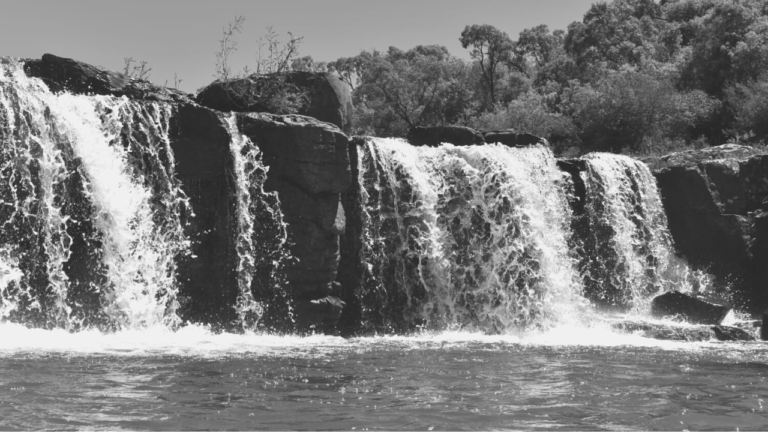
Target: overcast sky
column 181, row 36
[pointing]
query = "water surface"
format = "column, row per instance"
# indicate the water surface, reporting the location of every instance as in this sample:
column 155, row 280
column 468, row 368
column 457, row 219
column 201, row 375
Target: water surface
column 192, row 379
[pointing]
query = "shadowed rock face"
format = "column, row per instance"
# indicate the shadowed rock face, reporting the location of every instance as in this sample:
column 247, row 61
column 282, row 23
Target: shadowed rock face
column 433, row 136
column 328, row 98
column 510, row 138
column 309, row 169
column 716, row 201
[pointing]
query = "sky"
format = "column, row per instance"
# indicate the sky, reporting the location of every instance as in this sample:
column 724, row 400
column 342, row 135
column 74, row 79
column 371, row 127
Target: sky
column 181, row 36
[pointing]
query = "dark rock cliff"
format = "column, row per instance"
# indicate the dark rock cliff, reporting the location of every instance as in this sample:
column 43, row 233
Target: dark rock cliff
column 716, row 201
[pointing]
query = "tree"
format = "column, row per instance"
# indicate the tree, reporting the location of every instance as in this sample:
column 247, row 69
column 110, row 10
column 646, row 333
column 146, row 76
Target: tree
column 491, row 48
column 628, row 109
column 622, row 32
column 351, row 69
column 730, row 45
column 402, row 89
column 538, row 46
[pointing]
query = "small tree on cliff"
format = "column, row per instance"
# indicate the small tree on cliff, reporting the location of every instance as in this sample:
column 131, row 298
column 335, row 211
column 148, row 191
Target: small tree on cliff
column 266, row 86
column 492, row 48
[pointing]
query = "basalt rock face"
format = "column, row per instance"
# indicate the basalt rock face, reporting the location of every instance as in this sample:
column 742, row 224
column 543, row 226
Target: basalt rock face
column 352, row 267
column 433, row 136
column 309, row 169
column 716, row 201
column 328, row 99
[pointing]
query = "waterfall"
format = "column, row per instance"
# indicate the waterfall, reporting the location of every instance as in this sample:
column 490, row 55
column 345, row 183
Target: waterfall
column 92, row 215
column 471, row 237
column 628, row 253
column 262, row 238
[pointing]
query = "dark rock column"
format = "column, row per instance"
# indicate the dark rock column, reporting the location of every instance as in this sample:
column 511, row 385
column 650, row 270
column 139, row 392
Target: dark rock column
column 351, row 266
column 309, row 169
column 204, row 165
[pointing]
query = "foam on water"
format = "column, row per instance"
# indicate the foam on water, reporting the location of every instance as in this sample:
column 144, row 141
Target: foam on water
column 200, row 341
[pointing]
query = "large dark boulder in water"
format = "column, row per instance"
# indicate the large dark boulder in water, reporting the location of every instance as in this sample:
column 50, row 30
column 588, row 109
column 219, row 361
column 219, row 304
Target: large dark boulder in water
column 433, row 136
column 326, row 98
column 715, row 201
column 691, row 309
column 65, row 74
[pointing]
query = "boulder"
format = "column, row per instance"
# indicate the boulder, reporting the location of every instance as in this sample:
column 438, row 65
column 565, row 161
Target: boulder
column 64, row 74
column 724, row 333
column 691, row 309
column 327, row 98
column 300, row 150
column 507, row 137
column 433, row 136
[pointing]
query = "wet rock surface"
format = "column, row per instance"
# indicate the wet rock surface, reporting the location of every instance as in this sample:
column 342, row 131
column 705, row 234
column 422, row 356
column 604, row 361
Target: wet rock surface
column 688, row 308
column 309, row 169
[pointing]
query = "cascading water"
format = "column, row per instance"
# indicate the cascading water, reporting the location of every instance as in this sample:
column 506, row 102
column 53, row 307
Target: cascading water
column 628, row 246
column 262, row 239
column 474, row 237
column 627, row 250
column 92, row 177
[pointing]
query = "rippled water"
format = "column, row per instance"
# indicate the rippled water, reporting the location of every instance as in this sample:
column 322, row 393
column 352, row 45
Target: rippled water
column 568, row 378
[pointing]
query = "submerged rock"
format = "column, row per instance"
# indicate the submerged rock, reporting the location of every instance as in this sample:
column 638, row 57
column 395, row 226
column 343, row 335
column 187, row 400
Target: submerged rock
column 691, row 309
column 686, row 333
column 667, row 332
column 724, row 333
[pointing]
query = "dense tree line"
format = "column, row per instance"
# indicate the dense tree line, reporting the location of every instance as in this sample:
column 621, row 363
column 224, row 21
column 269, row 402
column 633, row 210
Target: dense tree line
column 632, row 75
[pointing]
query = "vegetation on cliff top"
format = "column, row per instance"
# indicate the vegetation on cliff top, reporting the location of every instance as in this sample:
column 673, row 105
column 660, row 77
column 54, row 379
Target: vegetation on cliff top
column 634, row 76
